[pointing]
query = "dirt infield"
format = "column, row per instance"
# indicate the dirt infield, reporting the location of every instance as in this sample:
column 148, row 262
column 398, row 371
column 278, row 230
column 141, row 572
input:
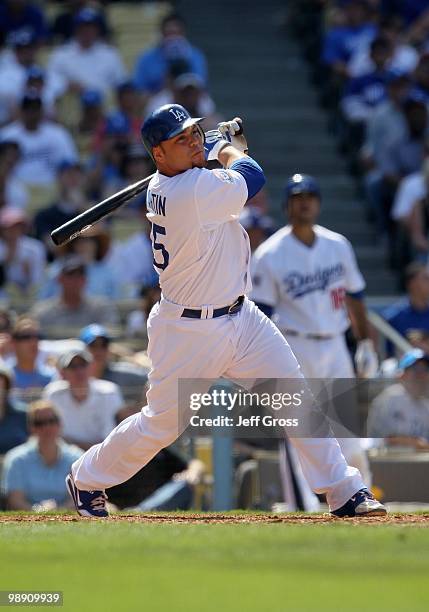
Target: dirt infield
column 419, row 520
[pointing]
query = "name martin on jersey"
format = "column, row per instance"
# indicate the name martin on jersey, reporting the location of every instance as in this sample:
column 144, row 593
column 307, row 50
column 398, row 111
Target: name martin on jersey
column 297, row 285
column 156, row 203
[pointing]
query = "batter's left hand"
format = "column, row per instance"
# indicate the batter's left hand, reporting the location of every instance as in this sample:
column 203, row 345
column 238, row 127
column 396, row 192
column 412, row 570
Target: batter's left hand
column 233, row 131
column 366, row 359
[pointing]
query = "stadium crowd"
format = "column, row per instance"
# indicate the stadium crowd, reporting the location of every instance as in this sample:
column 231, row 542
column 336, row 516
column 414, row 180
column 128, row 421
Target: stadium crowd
column 369, row 60
column 73, row 318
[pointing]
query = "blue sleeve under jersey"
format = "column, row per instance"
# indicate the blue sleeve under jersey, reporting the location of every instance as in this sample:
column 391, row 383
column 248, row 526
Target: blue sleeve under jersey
column 252, row 173
column 267, row 310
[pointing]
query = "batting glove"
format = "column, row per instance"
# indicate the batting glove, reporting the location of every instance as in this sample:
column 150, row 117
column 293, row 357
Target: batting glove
column 366, row 359
column 213, row 145
column 233, row 131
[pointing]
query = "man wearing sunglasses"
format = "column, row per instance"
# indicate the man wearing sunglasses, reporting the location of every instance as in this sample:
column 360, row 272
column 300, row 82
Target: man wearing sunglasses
column 34, row 472
column 29, row 376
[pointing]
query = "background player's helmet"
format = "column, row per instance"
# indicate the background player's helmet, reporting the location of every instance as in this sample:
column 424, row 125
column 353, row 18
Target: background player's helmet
column 166, row 122
column 301, row 183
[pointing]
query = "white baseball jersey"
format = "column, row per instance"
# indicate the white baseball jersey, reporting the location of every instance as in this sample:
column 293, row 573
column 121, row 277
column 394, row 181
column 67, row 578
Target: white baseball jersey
column 201, row 252
column 306, row 286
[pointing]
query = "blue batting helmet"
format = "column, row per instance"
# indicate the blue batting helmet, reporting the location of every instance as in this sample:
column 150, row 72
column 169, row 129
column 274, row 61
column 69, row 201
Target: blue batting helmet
column 301, row 183
column 166, row 122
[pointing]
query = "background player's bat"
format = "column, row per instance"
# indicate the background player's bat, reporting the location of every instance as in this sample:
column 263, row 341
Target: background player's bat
column 82, row 222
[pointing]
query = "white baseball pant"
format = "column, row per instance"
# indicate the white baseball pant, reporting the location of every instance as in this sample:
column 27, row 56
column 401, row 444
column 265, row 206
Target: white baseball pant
column 246, row 345
column 330, row 359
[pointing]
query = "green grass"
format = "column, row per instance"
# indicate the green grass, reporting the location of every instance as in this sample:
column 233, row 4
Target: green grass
column 222, row 568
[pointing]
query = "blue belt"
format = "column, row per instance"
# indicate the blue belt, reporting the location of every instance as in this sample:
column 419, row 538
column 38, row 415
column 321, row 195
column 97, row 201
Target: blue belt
column 190, row 313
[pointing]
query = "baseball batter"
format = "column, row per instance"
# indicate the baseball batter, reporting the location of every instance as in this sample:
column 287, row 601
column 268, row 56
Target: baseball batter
column 204, row 326
column 306, row 278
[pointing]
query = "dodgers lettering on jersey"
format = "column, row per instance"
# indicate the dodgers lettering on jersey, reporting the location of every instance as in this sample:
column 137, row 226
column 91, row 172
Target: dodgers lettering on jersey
column 306, row 286
column 200, row 250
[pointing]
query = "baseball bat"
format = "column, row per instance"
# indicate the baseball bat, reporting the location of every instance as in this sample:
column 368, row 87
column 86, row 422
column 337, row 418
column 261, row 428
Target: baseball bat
column 76, row 226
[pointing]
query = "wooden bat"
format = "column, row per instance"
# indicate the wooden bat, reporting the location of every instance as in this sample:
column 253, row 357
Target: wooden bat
column 76, row 226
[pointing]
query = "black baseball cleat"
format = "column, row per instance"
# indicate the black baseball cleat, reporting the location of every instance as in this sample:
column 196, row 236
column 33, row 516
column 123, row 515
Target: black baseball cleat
column 363, row 503
column 91, row 504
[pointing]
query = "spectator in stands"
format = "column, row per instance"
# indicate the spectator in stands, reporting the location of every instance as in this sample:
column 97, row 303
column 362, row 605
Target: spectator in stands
column 129, row 109
column 166, row 483
column 13, row 415
column 48, row 89
column 137, row 319
column 13, row 73
column 364, row 93
column 130, row 378
column 421, row 77
column 188, row 90
column 63, row 25
column 152, row 66
column 343, row 41
column 13, row 193
column 23, row 257
column 104, row 167
column 257, row 225
column 136, row 163
column 71, row 200
column 387, row 120
column 18, row 15
column 400, row 413
column 34, row 472
column 72, row 308
column 404, row 57
column 29, row 377
column 133, row 259
column 86, row 62
column 413, row 314
column 43, row 144
column 91, row 127
column 93, row 248
column 87, row 406
column 410, row 210
column 402, row 155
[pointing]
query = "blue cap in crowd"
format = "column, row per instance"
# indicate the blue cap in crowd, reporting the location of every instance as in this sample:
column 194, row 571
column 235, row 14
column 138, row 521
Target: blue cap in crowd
column 411, row 357
column 91, row 97
column 22, row 38
column 35, row 72
column 87, row 15
column 91, row 332
column 117, row 124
